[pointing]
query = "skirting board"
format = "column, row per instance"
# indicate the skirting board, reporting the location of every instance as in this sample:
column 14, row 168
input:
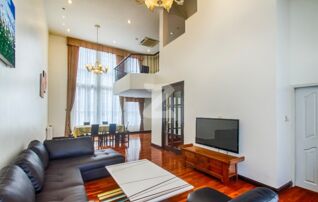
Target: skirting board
column 141, row 132
column 156, row 146
column 259, row 184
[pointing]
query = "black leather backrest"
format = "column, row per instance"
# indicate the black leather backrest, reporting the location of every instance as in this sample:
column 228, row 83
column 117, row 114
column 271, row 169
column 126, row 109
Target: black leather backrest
column 259, row 194
column 40, row 150
column 33, row 167
column 112, row 128
column 15, row 186
column 67, row 148
column 94, row 129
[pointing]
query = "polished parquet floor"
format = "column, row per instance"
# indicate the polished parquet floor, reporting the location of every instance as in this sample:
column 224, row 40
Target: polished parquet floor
column 140, row 148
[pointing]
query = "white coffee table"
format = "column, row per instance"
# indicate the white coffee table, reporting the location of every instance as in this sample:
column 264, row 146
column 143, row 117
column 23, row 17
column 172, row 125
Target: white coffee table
column 145, row 181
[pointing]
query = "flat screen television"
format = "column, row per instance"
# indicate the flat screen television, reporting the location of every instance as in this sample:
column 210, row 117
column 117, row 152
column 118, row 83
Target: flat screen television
column 218, row 133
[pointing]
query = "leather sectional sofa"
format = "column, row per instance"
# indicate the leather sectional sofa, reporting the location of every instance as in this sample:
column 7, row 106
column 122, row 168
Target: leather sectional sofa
column 55, row 171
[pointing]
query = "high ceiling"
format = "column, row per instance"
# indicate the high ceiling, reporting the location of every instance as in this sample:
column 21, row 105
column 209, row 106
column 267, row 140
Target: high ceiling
column 113, row 15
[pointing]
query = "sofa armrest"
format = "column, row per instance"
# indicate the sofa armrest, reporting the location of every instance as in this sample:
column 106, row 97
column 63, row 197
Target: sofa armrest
column 259, row 194
column 71, row 147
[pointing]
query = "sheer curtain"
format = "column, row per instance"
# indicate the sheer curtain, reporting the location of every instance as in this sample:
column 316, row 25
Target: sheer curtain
column 132, row 116
column 132, row 65
column 94, row 99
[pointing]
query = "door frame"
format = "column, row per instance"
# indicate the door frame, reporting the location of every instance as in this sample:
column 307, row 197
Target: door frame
column 163, row 136
column 293, row 120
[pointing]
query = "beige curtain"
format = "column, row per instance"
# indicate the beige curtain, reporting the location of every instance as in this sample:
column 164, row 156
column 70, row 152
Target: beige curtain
column 152, row 61
column 95, row 46
column 122, row 105
column 141, row 112
column 72, row 57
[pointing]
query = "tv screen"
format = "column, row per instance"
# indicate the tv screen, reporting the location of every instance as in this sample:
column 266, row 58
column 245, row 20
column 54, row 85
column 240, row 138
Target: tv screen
column 218, row 133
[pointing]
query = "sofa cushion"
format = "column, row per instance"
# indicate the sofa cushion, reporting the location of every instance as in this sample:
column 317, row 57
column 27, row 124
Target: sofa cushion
column 259, row 194
column 40, row 150
column 33, row 167
column 100, row 158
column 15, row 186
column 70, row 194
column 72, row 147
column 61, row 178
column 207, row 195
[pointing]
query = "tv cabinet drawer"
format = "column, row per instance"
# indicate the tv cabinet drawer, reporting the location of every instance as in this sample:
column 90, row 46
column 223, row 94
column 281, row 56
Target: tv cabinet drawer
column 215, row 164
column 190, row 157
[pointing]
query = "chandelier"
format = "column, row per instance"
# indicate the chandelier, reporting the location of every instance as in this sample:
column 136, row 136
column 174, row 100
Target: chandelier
column 97, row 68
column 166, row 4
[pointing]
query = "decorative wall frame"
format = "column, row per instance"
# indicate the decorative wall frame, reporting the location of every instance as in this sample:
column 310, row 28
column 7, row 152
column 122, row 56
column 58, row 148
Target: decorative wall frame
column 7, row 32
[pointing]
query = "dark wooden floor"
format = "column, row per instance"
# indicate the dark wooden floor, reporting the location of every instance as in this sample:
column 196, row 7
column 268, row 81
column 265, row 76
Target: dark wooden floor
column 140, row 148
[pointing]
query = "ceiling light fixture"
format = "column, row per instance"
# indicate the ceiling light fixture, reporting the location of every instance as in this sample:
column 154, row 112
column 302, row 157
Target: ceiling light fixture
column 166, row 4
column 68, row 30
column 129, row 21
column 97, row 68
column 114, row 42
column 63, row 16
column 70, row 1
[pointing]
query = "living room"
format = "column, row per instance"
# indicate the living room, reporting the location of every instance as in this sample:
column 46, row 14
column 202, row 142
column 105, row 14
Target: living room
column 200, row 100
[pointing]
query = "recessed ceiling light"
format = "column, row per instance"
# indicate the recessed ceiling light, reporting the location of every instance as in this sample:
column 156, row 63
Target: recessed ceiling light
column 129, row 21
column 68, row 30
column 63, row 16
column 148, row 50
column 63, row 24
column 171, row 33
column 114, row 42
column 70, row 1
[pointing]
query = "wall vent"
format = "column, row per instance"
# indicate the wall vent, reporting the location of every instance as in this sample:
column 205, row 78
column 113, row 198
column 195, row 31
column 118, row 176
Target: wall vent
column 149, row 42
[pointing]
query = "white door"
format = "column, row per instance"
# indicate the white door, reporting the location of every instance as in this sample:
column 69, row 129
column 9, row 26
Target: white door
column 307, row 138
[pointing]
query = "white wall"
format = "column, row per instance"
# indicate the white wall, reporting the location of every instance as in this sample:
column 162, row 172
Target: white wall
column 284, row 96
column 58, row 83
column 303, row 42
column 228, row 63
column 23, row 113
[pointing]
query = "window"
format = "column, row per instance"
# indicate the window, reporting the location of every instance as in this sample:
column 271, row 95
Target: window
column 94, row 99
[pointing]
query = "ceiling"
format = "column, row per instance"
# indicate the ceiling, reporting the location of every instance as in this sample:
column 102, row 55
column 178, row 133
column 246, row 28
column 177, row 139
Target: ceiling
column 81, row 15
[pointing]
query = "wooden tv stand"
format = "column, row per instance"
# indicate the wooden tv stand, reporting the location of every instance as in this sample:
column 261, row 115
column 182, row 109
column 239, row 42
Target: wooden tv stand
column 219, row 165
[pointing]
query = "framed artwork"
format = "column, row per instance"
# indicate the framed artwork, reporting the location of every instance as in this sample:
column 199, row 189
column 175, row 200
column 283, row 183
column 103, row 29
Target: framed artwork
column 43, row 84
column 7, row 32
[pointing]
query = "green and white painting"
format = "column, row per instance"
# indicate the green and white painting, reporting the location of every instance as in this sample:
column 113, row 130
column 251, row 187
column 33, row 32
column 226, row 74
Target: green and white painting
column 7, row 32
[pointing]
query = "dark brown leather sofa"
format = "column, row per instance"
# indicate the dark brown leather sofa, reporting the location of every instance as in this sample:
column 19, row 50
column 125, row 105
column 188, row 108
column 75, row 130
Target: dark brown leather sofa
column 55, row 171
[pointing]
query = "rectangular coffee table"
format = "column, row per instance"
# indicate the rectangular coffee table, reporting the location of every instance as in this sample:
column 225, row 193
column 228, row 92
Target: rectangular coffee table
column 145, row 181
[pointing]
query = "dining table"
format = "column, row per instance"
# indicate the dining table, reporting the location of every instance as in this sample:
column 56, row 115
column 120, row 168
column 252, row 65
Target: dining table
column 86, row 129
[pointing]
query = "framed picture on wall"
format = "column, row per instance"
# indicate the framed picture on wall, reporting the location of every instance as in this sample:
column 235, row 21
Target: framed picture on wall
column 43, row 84
column 7, row 32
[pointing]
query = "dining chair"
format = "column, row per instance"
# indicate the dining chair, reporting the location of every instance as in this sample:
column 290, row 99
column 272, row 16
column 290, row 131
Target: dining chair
column 111, row 135
column 95, row 133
